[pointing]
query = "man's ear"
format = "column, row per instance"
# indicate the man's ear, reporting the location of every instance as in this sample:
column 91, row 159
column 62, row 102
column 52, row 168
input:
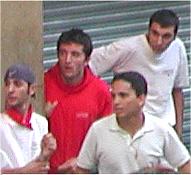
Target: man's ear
column 142, row 100
column 32, row 89
column 87, row 61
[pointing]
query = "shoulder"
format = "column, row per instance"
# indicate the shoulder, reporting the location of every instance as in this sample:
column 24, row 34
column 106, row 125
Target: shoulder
column 103, row 123
column 157, row 124
column 39, row 123
column 39, row 119
column 130, row 42
column 178, row 43
column 50, row 72
column 6, row 120
column 131, row 38
column 99, row 84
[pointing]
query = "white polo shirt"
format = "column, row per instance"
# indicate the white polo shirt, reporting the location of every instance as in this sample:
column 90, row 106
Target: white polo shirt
column 110, row 149
column 163, row 72
column 21, row 144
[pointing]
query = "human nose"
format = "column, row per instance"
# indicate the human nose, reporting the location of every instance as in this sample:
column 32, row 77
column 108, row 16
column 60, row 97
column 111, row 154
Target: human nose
column 10, row 87
column 116, row 100
column 159, row 40
column 68, row 58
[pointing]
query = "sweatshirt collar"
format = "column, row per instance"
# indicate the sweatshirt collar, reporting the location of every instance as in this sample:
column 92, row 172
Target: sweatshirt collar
column 88, row 77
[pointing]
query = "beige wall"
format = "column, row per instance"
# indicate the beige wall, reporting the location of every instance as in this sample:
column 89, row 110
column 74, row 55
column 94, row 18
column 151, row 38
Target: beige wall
column 21, row 40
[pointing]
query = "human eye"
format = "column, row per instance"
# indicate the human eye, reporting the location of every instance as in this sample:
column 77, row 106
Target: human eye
column 123, row 95
column 154, row 33
column 62, row 52
column 76, row 54
column 112, row 95
column 18, row 83
column 7, row 83
column 167, row 36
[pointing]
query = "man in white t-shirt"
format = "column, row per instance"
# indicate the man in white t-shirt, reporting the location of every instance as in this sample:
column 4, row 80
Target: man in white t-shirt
column 25, row 145
column 130, row 140
column 161, row 57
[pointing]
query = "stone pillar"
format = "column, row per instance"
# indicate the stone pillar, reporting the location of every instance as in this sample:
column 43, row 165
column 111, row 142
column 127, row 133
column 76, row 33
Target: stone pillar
column 22, row 41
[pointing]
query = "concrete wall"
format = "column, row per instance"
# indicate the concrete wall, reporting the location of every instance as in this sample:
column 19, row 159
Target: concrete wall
column 21, row 40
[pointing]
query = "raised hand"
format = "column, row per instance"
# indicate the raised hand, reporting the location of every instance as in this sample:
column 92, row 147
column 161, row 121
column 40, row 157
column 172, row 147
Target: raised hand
column 48, row 146
column 69, row 166
column 49, row 107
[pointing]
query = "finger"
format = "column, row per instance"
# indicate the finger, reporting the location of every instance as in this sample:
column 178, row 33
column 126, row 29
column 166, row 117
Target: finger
column 55, row 103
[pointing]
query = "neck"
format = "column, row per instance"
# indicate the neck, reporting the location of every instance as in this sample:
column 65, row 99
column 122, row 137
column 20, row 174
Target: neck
column 131, row 124
column 23, row 109
column 73, row 81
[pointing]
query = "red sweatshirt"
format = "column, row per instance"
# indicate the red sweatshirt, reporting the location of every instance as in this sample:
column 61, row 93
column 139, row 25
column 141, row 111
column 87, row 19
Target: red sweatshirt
column 78, row 107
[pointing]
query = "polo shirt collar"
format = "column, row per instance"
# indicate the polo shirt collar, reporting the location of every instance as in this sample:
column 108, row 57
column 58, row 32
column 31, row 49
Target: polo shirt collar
column 113, row 124
column 147, row 126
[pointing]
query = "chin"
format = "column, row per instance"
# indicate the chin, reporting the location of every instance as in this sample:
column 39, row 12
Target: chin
column 119, row 115
column 10, row 104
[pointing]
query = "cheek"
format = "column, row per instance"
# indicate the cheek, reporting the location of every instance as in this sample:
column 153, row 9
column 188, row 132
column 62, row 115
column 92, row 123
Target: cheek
column 61, row 60
column 79, row 64
column 152, row 40
column 167, row 42
column 23, row 93
column 5, row 90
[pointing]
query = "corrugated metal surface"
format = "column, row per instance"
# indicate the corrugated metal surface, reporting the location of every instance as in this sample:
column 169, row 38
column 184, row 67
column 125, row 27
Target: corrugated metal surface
column 106, row 21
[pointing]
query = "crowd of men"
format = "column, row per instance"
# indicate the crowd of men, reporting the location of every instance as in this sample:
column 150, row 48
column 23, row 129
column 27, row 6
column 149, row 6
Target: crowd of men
column 133, row 125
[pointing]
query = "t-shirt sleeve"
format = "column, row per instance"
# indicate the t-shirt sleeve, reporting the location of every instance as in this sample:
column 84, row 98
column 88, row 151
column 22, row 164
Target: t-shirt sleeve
column 87, row 156
column 182, row 77
column 174, row 150
column 105, row 58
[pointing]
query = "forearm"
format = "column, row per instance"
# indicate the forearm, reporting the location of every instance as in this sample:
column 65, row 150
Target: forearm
column 12, row 170
column 179, row 107
column 82, row 171
column 186, row 168
column 36, row 166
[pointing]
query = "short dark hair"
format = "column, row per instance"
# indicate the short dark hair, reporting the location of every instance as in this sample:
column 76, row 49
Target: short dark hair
column 76, row 35
column 137, row 81
column 165, row 18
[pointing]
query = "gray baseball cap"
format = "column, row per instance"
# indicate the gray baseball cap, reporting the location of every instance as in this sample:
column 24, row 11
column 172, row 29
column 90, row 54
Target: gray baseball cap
column 20, row 72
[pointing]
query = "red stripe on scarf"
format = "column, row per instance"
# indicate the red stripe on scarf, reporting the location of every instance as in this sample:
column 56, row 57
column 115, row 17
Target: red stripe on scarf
column 23, row 120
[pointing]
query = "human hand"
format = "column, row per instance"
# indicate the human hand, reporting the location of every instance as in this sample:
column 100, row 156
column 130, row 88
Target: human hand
column 35, row 167
column 69, row 167
column 157, row 169
column 49, row 107
column 48, row 146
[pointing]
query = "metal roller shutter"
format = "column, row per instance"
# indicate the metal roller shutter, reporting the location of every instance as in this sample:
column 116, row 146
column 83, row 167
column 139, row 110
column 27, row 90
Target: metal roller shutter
column 106, row 21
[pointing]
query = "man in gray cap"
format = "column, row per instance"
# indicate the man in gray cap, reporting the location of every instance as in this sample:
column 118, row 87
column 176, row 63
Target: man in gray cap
column 25, row 145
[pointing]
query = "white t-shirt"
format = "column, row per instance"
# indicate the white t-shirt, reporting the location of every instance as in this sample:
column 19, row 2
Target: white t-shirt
column 110, row 149
column 4, row 160
column 20, row 145
column 163, row 72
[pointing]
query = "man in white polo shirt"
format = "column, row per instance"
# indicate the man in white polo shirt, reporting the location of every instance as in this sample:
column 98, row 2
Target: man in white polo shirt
column 158, row 55
column 25, row 145
column 130, row 140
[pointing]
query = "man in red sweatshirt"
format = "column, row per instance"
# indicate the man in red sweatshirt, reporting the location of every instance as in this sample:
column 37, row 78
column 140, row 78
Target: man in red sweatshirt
column 76, row 96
